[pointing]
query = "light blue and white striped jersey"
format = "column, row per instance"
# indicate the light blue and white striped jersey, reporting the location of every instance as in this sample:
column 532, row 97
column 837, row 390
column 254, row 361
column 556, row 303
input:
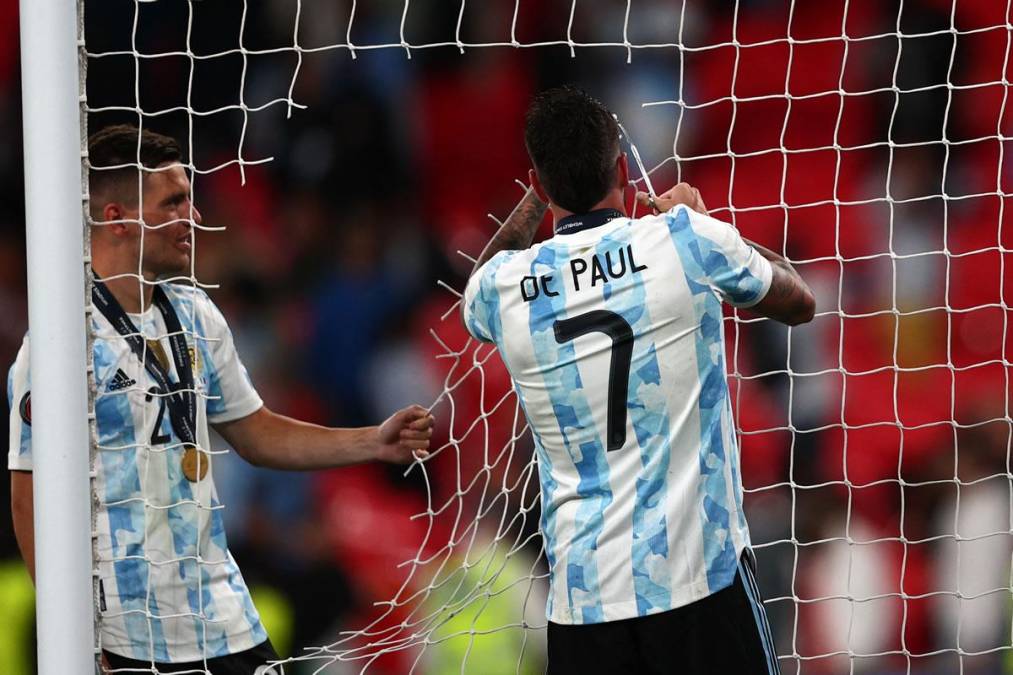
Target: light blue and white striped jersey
column 613, row 337
column 163, row 558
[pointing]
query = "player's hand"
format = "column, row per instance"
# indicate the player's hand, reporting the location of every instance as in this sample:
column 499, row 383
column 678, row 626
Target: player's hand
column 405, row 435
column 683, row 193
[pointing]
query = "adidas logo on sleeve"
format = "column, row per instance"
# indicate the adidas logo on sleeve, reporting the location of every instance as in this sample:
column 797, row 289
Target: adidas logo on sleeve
column 120, row 381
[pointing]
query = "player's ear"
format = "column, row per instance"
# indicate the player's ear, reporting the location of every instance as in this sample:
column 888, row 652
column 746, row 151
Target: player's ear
column 622, row 171
column 537, row 185
column 113, row 215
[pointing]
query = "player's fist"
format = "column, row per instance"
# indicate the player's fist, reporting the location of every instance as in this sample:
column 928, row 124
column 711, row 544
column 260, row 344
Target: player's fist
column 405, row 435
column 683, row 193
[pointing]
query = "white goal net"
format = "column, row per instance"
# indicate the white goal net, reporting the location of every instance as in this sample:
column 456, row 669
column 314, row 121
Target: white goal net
column 864, row 141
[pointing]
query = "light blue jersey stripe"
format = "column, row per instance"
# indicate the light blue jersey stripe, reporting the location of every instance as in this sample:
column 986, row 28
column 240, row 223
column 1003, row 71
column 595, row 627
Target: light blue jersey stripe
column 625, row 295
column 484, row 310
column 182, row 520
column 548, row 486
column 215, row 402
column 733, row 456
column 699, row 260
column 235, row 579
column 183, row 517
column 127, row 521
column 211, row 634
column 580, row 438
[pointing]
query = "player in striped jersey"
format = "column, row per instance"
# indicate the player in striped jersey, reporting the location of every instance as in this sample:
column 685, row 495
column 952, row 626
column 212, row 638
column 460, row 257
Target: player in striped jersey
column 171, row 596
column 612, row 333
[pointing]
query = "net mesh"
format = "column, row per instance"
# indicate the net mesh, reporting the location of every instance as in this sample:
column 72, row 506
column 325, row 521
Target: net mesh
column 865, row 142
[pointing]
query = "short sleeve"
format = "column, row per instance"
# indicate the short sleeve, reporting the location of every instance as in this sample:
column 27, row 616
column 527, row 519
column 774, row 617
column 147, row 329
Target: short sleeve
column 480, row 308
column 19, row 400
column 722, row 259
column 231, row 394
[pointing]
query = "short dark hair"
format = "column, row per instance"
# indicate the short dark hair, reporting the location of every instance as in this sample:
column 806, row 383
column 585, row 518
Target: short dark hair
column 118, row 145
column 573, row 141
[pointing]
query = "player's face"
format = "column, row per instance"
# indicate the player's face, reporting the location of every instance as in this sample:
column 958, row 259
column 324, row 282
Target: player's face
column 167, row 213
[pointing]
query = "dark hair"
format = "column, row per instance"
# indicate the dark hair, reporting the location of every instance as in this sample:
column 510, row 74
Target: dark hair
column 573, row 141
column 118, row 145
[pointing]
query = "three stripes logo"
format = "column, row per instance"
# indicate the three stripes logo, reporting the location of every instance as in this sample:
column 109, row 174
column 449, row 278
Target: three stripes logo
column 120, row 381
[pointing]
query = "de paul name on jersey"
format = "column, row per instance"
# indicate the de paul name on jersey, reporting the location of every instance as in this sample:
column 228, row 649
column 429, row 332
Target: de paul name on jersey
column 591, row 270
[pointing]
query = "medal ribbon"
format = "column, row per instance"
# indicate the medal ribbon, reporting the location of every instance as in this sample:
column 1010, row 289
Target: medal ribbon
column 180, row 396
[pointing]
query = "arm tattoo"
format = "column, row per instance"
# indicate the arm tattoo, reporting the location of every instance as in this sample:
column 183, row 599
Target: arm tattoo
column 789, row 295
column 518, row 230
column 786, row 286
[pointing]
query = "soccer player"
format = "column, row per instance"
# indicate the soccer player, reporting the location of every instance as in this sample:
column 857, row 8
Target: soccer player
column 612, row 333
column 170, row 594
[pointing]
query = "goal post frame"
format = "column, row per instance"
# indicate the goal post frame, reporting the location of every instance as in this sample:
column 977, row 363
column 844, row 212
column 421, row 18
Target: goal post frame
column 56, row 257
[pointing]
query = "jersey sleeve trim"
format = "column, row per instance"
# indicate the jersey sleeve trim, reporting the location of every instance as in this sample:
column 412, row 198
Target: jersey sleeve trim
column 231, row 394
column 19, row 450
column 237, row 411
column 22, row 463
column 764, row 272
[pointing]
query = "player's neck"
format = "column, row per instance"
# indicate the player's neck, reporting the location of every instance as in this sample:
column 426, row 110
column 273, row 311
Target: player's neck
column 613, row 200
column 133, row 296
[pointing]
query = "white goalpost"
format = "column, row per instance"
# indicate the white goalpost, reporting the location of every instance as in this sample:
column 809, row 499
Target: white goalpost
column 51, row 99
column 866, row 145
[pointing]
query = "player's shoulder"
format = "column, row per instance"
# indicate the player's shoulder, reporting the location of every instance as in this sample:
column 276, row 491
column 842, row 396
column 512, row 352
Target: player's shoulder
column 502, row 261
column 23, row 351
column 189, row 299
column 182, row 291
column 17, row 374
column 183, row 295
column 680, row 217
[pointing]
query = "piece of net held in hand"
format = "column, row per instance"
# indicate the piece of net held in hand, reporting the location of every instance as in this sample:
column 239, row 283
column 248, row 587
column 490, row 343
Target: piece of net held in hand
column 865, row 141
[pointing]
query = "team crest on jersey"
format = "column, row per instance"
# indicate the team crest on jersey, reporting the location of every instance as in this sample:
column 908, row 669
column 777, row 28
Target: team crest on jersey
column 25, row 408
column 195, row 359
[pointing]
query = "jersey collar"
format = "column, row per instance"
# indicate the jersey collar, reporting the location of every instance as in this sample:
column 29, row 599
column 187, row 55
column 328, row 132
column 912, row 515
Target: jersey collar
column 585, row 221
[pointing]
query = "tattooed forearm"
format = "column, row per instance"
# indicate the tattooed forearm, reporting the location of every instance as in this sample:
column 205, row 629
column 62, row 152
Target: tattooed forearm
column 789, row 300
column 518, row 231
column 785, row 285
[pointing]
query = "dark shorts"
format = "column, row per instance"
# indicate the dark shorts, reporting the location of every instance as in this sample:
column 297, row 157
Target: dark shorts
column 241, row 663
column 724, row 633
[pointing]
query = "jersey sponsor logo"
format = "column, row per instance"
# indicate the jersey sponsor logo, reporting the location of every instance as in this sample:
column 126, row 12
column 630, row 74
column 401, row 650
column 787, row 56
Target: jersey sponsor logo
column 120, row 381
column 25, row 408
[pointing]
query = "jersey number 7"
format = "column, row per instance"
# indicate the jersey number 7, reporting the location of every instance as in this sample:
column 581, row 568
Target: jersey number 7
column 617, row 328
